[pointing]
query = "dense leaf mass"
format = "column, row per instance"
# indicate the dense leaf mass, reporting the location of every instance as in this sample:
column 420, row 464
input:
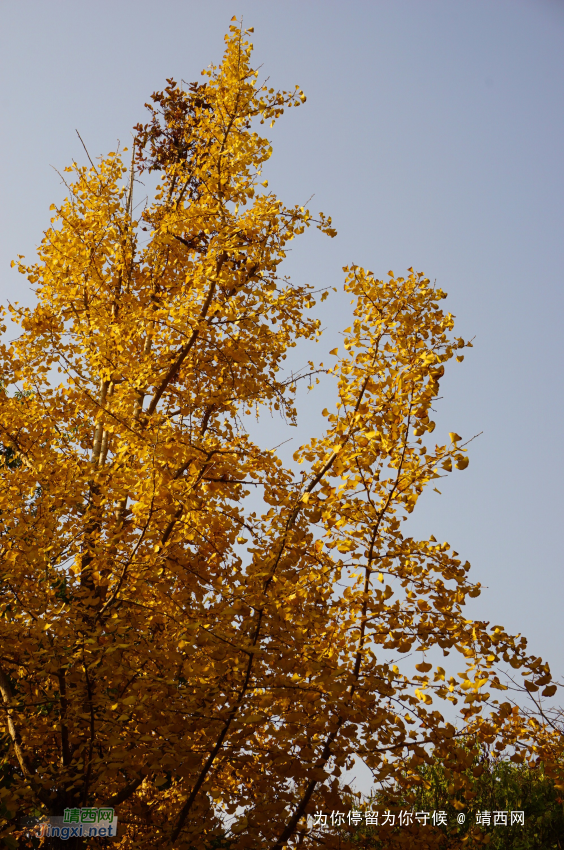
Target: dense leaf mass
column 204, row 666
column 502, row 805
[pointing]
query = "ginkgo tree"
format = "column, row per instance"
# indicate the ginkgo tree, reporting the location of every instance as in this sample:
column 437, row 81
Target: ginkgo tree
column 203, row 660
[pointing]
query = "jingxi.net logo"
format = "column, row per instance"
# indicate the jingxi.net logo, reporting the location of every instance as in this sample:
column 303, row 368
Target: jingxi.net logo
column 79, row 823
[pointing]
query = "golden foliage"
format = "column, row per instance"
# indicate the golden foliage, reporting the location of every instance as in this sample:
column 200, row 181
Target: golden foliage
column 167, row 649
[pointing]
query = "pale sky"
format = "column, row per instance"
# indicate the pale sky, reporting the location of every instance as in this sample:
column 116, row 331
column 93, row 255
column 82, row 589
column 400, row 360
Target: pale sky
column 433, row 133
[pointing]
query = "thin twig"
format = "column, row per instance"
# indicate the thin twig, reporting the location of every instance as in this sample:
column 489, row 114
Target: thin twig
column 87, row 154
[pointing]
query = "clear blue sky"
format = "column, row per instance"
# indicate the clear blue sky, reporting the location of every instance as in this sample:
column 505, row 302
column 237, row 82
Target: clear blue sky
column 433, row 134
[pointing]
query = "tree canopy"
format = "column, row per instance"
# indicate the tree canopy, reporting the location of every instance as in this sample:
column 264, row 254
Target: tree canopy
column 205, row 666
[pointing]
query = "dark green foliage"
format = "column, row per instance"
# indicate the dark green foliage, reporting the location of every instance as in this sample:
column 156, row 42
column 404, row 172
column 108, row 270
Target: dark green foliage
column 493, row 786
column 9, row 458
